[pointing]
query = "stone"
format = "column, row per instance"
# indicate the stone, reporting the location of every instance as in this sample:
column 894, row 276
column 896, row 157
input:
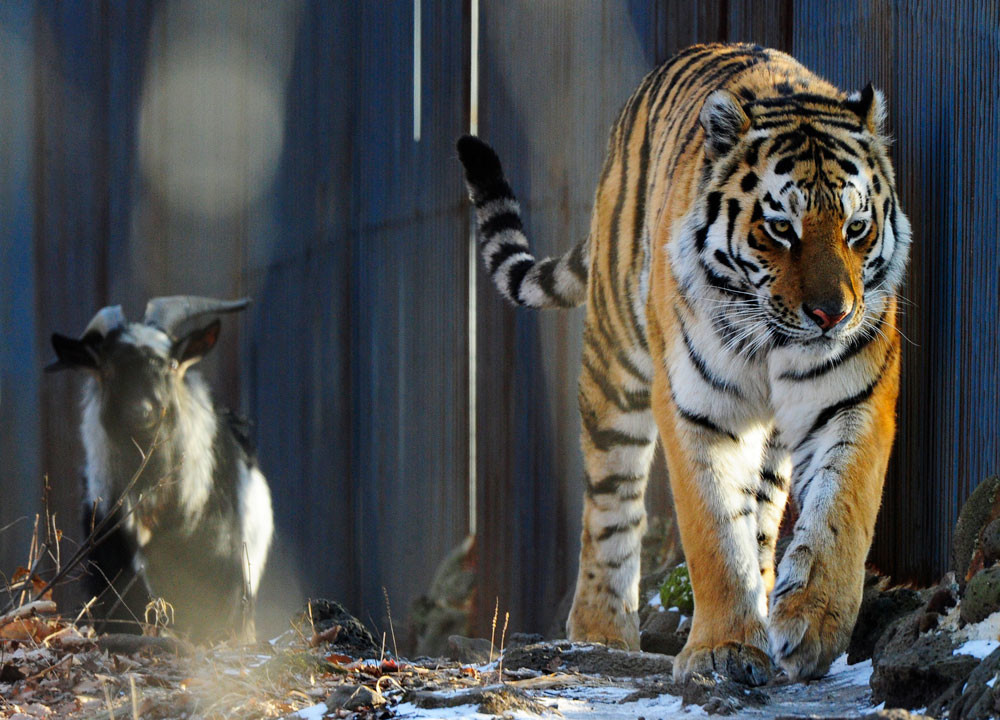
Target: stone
column 879, row 609
column 910, row 669
column 354, row 697
column 990, row 543
column 477, row 651
column 718, row 695
column 978, row 698
column 588, row 659
column 520, row 639
column 659, row 633
column 352, row 639
column 982, row 507
column 494, row 700
column 982, row 595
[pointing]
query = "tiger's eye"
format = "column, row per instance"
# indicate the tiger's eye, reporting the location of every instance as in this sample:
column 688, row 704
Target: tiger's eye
column 781, row 226
column 856, row 227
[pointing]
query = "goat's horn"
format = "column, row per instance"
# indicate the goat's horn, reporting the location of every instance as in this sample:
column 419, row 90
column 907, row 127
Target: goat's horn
column 106, row 320
column 168, row 313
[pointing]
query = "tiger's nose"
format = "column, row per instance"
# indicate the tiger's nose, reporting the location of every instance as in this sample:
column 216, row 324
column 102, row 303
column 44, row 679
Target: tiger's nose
column 827, row 317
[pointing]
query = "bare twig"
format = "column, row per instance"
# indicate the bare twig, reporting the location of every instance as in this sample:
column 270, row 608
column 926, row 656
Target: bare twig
column 96, row 538
column 493, row 627
column 388, row 612
column 33, row 608
column 506, row 617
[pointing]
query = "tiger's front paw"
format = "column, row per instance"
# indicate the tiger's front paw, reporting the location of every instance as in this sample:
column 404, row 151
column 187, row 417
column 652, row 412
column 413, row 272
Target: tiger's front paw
column 739, row 661
column 813, row 609
column 598, row 622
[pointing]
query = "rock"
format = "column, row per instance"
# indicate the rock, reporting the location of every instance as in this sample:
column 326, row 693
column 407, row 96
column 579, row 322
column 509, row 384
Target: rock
column 879, row 609
column 718, row 695
column 659, row 633
column 982, row 595
column 911, row 670
column 477, row 651
column 519, row 639
column 444, row 610
column 354, row 697
column 982, row 507
column 491, row 700
column 990, row 543
column 352, row 639
column 505, row 699
column 588, row 659
column 975, row 699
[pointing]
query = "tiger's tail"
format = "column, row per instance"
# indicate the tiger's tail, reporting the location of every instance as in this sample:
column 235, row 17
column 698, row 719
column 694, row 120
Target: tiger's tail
column 555, row 282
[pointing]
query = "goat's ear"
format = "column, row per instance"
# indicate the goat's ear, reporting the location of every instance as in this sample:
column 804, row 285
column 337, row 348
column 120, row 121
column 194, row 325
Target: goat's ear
column 72, row 353
column 195, row 345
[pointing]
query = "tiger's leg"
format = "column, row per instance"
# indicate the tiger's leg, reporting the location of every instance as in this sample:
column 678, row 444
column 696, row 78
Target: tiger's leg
column 618, row 439
column 772, row 496
column 840, row 459
column 711, row 471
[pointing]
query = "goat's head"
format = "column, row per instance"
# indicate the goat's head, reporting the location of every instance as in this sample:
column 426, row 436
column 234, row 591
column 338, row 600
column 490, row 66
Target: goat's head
column 137, row 364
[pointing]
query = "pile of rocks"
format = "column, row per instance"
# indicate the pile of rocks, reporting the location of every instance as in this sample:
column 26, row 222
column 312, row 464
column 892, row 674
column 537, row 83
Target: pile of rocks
column 938, row 648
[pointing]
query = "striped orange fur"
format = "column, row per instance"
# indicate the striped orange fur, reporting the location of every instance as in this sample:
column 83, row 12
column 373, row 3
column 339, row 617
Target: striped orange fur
column 740, row 282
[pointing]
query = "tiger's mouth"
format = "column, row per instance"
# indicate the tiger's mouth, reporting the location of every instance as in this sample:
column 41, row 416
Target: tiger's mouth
column 812, row 336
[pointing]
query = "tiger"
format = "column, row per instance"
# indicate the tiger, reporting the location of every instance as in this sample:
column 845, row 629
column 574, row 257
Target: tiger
column 740, row 278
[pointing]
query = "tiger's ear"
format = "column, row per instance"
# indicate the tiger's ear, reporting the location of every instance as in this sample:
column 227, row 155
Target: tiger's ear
column 724, row 121
column 869, row 104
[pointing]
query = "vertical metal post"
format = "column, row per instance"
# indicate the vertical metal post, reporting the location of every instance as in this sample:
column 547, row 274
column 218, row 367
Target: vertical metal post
column 474, row 130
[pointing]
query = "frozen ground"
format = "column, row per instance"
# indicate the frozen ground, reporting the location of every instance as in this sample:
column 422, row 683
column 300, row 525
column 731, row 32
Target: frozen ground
column 842, row 693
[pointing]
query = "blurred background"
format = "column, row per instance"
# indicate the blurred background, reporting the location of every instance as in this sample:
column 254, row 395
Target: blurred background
column 302, row 152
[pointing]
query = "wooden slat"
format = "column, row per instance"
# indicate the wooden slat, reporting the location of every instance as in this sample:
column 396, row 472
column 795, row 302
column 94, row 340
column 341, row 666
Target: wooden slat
column 20, row 472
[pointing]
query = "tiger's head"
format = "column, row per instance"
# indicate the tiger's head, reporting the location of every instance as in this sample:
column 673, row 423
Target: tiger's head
column 800, row 225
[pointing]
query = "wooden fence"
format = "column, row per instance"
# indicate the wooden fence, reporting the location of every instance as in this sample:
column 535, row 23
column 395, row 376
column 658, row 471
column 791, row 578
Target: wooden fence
column 271, row 149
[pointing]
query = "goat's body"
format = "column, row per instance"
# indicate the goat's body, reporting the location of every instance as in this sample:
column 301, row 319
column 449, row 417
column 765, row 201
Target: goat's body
column 198, row 521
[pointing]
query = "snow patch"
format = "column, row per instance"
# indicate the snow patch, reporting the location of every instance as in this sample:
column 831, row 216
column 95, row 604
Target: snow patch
column 857, row 674
column 655, row 600
column 313, row 712
column 986, row 629
column 978, row 649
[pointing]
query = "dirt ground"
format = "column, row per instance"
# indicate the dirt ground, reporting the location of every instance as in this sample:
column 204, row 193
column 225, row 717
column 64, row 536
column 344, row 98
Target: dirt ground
column 323, row 667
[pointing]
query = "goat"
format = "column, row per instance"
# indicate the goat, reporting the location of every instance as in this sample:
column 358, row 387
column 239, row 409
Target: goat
column 195, row 523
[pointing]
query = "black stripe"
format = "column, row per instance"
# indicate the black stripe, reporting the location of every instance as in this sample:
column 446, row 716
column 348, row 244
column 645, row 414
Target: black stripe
column 504, row 251
column 773, row 479
column 720, row 283
column 604, row 439
column 547, row 270
column 702, row 368
column 827, row 413
column 617, row 529
column 631, row 403
column 733, row 211
column 576, row 261
column 515, row 276
column 701, row 420
column 714, row 201
column 610, row 484
column 507, row 220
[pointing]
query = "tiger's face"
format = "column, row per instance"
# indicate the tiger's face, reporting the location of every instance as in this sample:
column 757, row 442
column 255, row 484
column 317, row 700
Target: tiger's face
column 808, row 240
